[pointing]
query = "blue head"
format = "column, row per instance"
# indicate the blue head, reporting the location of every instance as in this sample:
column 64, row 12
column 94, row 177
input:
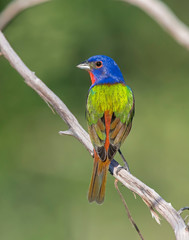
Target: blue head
column 103, row 70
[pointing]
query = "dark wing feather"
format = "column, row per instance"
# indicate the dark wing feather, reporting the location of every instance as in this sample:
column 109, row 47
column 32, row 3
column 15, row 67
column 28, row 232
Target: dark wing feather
column 119, row 131
column 97, row 133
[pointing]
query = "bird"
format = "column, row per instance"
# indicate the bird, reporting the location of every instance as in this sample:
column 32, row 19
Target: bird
column 110, row 109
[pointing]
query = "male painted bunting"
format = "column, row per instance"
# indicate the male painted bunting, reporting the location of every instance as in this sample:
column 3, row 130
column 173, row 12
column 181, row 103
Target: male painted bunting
column 109, row 111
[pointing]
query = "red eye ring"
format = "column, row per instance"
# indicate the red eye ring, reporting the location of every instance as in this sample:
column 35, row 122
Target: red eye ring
column 99, row 64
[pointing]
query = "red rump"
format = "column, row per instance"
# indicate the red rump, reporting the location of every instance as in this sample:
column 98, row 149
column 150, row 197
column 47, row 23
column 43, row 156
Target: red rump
column 108, row 118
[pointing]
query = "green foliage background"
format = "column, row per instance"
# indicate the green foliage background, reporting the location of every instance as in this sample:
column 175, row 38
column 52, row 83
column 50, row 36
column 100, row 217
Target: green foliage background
column 44, row 177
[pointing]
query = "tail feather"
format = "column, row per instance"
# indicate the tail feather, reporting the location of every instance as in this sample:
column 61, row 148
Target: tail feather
column 98, row 180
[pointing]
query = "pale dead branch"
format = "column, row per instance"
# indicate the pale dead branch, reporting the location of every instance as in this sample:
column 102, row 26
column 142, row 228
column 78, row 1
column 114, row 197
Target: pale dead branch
column 127, row 210
column 165, row 17
column 14, row 8
column 153, row 200
column 45, row 93
column 147, row 194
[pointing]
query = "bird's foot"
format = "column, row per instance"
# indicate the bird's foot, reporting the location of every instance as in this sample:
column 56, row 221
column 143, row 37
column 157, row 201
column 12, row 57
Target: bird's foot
column 123, row 167
column 126, row 166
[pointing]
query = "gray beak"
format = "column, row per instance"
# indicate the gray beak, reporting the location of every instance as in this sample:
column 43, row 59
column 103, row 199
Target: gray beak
column 84, row 66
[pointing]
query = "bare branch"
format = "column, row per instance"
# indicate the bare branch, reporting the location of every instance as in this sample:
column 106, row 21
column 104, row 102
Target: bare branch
column 127, row 210
column 153, row 199
column 147, row 194
column 163, row 15
column 14, row 8
column 182, row 210
column 45, row 93
column 167, row 20
column 68, row 132
column 154, row 214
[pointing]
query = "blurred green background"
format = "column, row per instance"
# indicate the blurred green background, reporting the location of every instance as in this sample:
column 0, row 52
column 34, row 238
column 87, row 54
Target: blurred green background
column 44, row 177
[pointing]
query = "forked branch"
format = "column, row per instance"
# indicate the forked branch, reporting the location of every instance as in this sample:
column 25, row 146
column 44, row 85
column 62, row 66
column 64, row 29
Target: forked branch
column 153, row 200
column 165, row 17
column 14, row 8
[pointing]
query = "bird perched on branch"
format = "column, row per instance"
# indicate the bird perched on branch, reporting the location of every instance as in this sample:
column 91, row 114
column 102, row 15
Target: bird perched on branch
column 109, row 111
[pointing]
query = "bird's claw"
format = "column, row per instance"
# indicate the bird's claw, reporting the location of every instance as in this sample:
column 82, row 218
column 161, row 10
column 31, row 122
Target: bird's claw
column 126, row 167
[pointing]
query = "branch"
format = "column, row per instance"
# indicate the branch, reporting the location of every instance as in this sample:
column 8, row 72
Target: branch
column 45, row 93
column 153, row 200
column 14, row 8
column 150, row 197
column 163, row 15
column 127, row 210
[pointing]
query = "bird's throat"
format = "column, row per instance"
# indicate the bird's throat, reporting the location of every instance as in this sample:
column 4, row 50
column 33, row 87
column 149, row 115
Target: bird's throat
column 92, row 77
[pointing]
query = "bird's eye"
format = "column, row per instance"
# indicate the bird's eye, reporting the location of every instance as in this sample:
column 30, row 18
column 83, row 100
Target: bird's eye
column 99, row 64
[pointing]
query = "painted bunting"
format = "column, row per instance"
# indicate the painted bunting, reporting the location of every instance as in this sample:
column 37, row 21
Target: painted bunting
column 109, row 112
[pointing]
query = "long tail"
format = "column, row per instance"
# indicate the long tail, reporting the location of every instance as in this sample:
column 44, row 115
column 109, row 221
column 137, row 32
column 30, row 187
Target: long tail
column 98, row 180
